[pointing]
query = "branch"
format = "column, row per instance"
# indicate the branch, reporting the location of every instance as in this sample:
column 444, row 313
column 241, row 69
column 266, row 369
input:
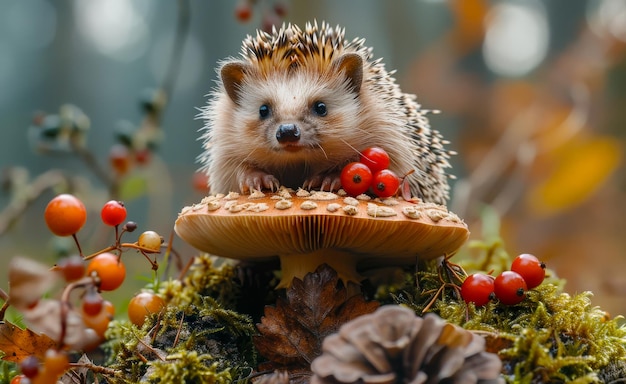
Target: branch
column 22, row 199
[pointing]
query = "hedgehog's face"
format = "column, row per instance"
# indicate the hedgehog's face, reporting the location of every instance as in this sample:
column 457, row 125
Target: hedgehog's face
column 299, row 113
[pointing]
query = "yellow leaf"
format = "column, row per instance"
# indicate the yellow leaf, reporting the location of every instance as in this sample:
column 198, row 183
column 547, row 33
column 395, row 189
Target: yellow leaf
column 581, row 169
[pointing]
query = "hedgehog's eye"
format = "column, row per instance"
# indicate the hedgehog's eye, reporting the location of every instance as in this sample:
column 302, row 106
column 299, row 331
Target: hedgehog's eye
column 264, row 111
column 320, row 108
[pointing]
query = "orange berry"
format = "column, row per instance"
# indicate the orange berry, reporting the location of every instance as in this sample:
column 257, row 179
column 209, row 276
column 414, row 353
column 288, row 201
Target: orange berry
column 109, row 269
column 19, row 379
column 56, row 362
column 100, row 322
column 142, row 305
column 65, row 215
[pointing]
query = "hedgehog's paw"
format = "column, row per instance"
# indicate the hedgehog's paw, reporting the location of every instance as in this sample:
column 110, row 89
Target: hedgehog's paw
column 259, row 180
column 325, row 182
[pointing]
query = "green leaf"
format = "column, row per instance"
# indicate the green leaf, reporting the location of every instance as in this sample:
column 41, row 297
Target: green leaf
column 133, row 187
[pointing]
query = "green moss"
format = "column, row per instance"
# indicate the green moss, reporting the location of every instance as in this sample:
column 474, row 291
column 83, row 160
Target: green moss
column 550, row 337
column 204, row 279
column 188, row 367
column 196, row 339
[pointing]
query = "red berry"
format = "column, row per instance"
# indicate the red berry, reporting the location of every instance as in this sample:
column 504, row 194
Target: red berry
column 142, row 156
column 30, row 366
column 109, row 269
column 356, row 178
column 385, row 183
column 100, row 322
column 243, row 11
column 280, row 9
column 120, row 158
column 510, row 288
column 532, row 270
column 92, row 303
column 65, row 215
column 72, row 267
column 113, row 213
column 478, row 289
column 375, row 158
column 200, row 182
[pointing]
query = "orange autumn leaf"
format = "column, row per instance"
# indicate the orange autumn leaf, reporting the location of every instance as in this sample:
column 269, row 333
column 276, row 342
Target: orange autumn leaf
column 17, row 343
column 581, row 169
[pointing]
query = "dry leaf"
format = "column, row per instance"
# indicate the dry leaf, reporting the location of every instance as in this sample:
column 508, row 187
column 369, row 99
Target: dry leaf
column 78, row 375
column 28, row 282
column 292, row 332
column 45, row 318
column 17, row 343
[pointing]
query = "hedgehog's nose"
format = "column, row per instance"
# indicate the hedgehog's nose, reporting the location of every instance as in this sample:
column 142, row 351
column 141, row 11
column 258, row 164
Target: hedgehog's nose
column 287, row 133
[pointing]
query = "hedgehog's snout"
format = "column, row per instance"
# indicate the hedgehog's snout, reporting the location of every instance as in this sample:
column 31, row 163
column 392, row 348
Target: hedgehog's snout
column 287, row 133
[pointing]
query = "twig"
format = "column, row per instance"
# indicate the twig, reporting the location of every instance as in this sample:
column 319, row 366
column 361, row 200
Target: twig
column 182, row 31
column 96, row 368
column 107, row 179
column 22, row 199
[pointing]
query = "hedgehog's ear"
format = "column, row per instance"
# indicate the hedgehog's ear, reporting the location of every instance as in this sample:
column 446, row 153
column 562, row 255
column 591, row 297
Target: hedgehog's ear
column 232, row 76
column 352, row 66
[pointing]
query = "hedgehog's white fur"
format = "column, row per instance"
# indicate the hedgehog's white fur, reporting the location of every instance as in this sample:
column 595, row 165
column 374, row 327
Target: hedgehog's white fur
column 290, row 70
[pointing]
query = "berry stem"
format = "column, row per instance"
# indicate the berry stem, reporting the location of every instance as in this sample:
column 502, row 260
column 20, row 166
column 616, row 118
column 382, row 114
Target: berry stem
column 65, row 304
column 3, row 295
column 80, row 251
column 4, row 309
column 118, row 247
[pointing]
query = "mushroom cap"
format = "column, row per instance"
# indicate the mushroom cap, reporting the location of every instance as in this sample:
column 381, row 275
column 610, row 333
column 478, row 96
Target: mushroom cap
column 262, row 226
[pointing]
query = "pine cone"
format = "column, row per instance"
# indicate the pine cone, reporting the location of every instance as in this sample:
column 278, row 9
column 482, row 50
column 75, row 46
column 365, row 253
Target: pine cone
column 393, row 345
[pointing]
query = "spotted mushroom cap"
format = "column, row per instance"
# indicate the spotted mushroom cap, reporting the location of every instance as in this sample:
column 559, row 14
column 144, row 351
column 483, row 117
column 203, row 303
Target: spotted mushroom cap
column 261, row 226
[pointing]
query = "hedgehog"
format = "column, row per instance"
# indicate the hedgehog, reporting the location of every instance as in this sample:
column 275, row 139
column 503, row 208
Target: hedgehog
column 297, row 106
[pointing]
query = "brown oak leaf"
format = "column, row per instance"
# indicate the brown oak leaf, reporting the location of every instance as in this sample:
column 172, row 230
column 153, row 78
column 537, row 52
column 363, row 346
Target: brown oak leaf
column 17, row 343
column 291, row 333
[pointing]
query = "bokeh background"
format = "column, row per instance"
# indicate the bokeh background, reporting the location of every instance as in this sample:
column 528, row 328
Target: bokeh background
column 532, row 95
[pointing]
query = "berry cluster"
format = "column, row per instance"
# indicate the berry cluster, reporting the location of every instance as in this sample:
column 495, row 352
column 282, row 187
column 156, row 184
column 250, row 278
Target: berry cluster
column 65, row 215
column 34, row 371
column 370, row 173
column 271, row 16
column 509, row 287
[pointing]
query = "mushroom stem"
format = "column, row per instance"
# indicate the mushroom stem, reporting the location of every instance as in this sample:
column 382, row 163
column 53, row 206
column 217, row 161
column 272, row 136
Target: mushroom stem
column 298, row 265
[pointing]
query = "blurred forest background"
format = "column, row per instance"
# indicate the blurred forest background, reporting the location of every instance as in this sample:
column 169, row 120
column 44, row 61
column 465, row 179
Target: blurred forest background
column 532, row 94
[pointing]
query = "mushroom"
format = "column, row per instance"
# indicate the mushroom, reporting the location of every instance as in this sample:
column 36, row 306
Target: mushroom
column 306, row 229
